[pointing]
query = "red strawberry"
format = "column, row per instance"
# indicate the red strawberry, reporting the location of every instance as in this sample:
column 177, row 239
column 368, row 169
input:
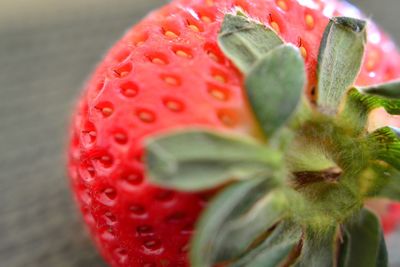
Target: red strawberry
column 389, row 213
column 391, row 219
column 168, row 72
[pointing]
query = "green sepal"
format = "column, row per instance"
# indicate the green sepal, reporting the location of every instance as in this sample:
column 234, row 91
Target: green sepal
column 385, row 145
column 203, row 159
column 225, row 213
column 276, row 250
column 392, row 189
column 274, row 92
column 363, row 242
column 360, row 102
column 386, row 90
column 245, row 41
column 339, row 61
column 383, row 257
column 319, row 248
column 375, row 178
column 310, row 159
column 373, row 101
column 239, row 234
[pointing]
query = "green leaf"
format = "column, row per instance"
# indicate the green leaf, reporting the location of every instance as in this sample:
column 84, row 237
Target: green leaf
column 229, row 209
column 364, row 243
column 275, row 250
column 275, row 86
column 319, row 249
column 339, row 61
column 245, row 41
column 387, row 90
column 385, row 144
column 202, row 159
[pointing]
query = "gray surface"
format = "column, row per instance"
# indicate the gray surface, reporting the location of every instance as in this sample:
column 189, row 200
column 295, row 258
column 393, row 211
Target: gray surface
column 47, row 48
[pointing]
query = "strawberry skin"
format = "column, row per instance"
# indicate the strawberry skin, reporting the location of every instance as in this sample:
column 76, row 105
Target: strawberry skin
column 167, row 72
column 391, row 219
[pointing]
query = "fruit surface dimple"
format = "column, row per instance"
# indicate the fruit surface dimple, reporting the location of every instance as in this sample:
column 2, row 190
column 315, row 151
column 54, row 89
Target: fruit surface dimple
column 146, row 116
column 129, row 89
column 137, row 210
column 144, row 230
column 120, row 137
column 107, row 196
column 282, row 4
column 309, row 21
column 173, row 105
column 122, row 70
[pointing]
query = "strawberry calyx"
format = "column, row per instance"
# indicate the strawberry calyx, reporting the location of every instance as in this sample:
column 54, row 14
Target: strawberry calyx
column 339, row 61
column 294, row 197
column 227, row 158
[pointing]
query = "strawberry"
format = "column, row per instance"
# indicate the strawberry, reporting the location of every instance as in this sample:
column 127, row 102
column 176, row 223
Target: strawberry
column 169, row 73
column 392, row 218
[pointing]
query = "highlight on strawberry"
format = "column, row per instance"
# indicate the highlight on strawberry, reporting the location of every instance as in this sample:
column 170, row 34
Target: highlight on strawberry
column 242, row 133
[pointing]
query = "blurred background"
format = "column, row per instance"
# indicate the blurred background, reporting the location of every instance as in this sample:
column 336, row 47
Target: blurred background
column 47, row 49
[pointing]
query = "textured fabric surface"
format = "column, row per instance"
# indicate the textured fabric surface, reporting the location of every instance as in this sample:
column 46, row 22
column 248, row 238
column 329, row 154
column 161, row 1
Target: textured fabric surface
column 47, row 48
